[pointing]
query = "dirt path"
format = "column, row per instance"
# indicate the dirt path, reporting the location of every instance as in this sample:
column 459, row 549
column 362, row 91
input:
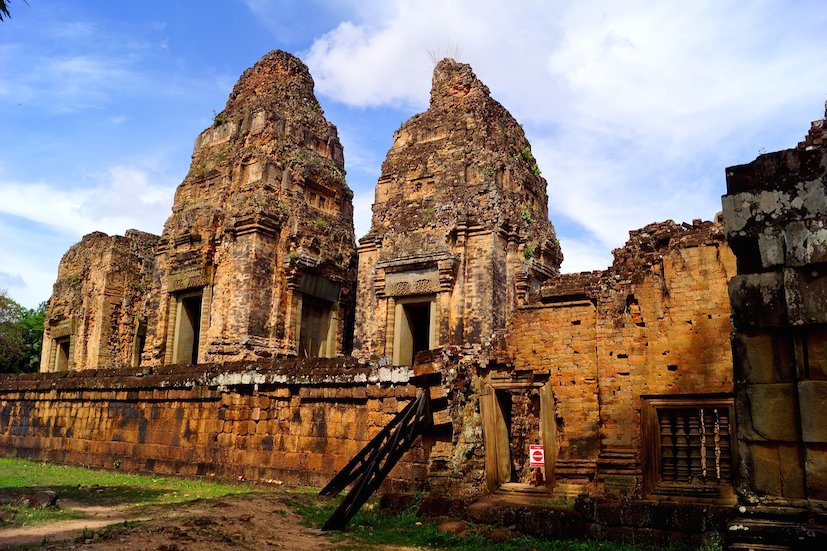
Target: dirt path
column 252, row 521
column 95, row 518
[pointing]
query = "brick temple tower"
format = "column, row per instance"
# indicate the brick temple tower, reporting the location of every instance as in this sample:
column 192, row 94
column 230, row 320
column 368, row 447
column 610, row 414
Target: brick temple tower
column 460, row 231
column 257, row 258
column 93, row 318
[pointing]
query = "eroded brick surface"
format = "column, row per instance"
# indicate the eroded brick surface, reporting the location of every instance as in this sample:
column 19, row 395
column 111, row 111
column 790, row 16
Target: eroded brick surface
column 261, row 233
column 654, row 324
column 99, row 295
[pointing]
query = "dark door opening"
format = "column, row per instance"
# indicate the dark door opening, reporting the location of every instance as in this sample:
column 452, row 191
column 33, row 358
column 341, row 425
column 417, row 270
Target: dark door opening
column 139, row 343
column 419, row 320
column 189, row 327
column 519, row 429
column 415, row 328
column 62, row 356
column 314, row 332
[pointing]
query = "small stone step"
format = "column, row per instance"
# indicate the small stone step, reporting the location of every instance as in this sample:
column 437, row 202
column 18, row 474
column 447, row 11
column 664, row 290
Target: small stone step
column 757, row 547
column 775, row 533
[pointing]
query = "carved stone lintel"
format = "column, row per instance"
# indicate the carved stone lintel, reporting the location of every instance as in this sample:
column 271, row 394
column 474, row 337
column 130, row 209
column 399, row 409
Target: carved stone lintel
column 63, row 329
column 414, row 282
column 189, row 278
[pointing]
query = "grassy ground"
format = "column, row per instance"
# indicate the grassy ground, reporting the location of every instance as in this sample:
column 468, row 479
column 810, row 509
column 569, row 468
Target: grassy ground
column 23, row 516
column 93, row 487
column 370, row 529
column 373, row 528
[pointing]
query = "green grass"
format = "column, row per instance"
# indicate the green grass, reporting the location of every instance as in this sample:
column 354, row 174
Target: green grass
column 19, row 477
column 370, row 527
column 23, row 516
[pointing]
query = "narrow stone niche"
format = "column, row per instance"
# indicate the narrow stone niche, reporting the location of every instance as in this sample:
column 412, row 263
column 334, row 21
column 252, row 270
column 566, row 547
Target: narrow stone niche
column 62, row 353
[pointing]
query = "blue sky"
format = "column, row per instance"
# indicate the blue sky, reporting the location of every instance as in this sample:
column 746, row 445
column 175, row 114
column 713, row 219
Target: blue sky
column 633, row 108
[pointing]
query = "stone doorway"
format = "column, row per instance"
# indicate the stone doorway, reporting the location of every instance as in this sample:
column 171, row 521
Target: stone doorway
column 414, row 330
column 517, row 414
column 520, row 410
column 315, row 338
column 188, row 328
column 62, row 353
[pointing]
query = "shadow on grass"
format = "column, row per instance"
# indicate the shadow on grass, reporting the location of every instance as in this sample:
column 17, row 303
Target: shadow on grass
column 91, row 495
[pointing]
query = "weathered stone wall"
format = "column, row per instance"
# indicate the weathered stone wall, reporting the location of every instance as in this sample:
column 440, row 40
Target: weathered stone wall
column 295, row 421
column 654, row 324
column 775, row 212
column 460, row 221
column 98, row 301
column 561, row 340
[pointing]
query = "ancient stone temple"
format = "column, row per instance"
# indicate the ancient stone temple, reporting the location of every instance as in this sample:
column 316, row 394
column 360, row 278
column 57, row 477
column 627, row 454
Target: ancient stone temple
column 256, row 260
column 623, row 375
column 223, row 347
column 775, row 211
column 460, row 231
column 95, row 316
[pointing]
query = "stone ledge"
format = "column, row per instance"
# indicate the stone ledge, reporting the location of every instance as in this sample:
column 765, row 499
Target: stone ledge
column 344, row 371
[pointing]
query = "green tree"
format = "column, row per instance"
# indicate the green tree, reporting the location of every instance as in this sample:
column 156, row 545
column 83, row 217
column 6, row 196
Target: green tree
column 4, row 9
column 11, row 337
column 31, row 325
column 21, row 335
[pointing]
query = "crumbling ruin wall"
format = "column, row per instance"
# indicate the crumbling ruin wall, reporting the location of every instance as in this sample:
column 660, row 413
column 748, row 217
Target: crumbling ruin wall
column 775, row 212
column 653, row 325
column 296, row 421
column 460, row 222
column 560, row 341
column 98, row 303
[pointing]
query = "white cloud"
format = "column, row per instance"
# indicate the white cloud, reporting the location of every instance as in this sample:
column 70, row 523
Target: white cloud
column 294, row 22
column 64, row 84
column 10, row 280
column 633, row 108
column 30, row 255
column 122, row 198
column 41, row 220
column 362, row 213
column 583, row 255
column 387, row 60
column 64, row 65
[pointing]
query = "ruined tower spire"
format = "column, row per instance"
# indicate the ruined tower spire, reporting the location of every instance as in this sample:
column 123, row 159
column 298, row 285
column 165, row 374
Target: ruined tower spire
column 257, row 258
column 460, row 224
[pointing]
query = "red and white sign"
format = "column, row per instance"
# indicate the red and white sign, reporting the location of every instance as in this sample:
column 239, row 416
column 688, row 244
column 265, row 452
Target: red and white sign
column 537, row 455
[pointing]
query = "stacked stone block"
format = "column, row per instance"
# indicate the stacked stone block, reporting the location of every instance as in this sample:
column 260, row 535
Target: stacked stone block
column 460, row 219
column 98, row 302
column 297, row 422
column 775, row 212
